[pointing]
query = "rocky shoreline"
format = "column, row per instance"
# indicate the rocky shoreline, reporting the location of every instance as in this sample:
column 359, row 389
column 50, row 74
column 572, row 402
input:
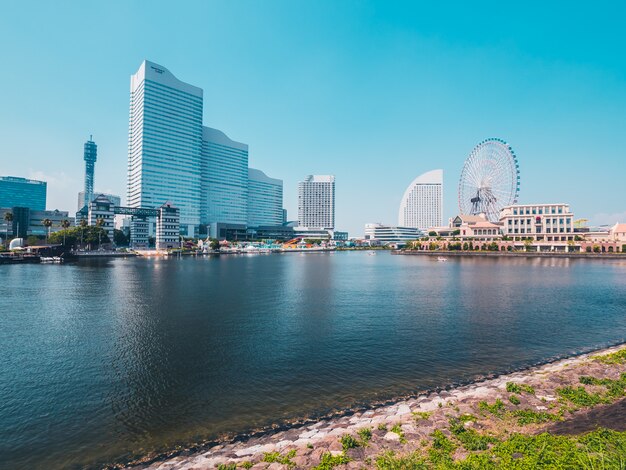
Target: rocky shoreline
column 543, row 398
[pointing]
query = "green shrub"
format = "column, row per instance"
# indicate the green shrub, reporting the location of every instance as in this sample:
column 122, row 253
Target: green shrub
column 579, row 396
column 514, row 399
column 469, row 438
column 229, row 466
column 398, row 430
column 271, row 457
column 328, row 461
column 525, row 417
column 618, row 357
column 349, row 442
column 421, row 415
column 365, row 434
column 513, row 387
column 497, row 409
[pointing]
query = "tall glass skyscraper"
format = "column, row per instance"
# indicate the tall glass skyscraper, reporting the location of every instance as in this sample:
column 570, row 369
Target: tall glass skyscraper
column 165, row 143
column 224, row 179
column 422, row 204
column 265, row 199
column 90, row 155
column 22, row 192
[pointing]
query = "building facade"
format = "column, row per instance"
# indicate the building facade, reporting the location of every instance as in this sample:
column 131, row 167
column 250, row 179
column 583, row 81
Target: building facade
column 116, row 200
column 167, row 227
column 101, row 208
column 165, row 143
column 388, row 234
column 265, row 199
column 421, row 206
column 224, row 179
column 540, row 222
column 316, row 202
column 22, row 192
column 90, row 155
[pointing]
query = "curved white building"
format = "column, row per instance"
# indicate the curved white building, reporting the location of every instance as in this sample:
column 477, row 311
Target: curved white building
column 422, row 204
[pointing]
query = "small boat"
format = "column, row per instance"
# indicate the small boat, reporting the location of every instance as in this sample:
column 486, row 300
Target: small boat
column 51, row 259
column 441, row 259
column 372, row 253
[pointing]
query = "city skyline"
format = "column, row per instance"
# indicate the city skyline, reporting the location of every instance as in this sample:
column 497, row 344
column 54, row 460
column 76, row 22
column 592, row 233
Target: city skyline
column 374, row 111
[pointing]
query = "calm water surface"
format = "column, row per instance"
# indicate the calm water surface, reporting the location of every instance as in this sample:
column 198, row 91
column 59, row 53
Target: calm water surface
column 106, row 361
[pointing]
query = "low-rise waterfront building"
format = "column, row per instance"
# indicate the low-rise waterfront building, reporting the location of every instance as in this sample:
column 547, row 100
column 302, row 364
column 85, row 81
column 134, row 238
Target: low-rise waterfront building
column 539, row 222
column 387, row 234
column 28, row 222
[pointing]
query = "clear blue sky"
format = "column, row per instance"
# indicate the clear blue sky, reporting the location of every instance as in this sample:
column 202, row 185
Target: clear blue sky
column 373, row 92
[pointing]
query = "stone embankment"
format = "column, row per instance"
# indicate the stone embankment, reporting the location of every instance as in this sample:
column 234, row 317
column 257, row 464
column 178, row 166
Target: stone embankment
column 443, row 428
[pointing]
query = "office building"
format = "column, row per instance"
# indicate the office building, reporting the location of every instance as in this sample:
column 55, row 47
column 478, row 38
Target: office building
column 22, row 192
column 167, row 227
column 540, row 222
column 28, row 222
column 265, row 199
column 422, row 204
column 102, row 208
column 316, row 202
column 387, row 234
column 90, row 155
column 165, row 143
column 116, row 200
column 224, row 179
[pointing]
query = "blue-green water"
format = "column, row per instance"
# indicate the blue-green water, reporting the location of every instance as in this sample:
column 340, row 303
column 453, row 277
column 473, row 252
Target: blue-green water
column 107, row 361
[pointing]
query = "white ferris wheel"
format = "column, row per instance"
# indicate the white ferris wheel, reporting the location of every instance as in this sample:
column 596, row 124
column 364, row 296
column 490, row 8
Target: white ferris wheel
column 489, row 180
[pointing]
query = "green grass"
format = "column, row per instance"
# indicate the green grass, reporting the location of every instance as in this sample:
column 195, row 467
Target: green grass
column 525, row 417
column 497, row 409
column 398, row 430
column 328, row 461
column 514, row 399
column 599, row 450
column 382, row 427
column 349, row 442
column 272, row 457
column 365, row 434
column 615, row 388
column 618, row 357
column 389, row 461
column 227, row 466
column 470, row 439
column 247, row 464
column 513, row 387
column 579, row 396
column 421, row 415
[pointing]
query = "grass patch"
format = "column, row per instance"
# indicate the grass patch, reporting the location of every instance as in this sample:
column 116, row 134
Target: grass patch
column 389, row 461
column 398, row 430
column 497, row 409
column 365, row 434
column 328, row 461
column 442, row 443
column 618, row 357
column 513, row 387
column 349, row 442
column 227, row 466
column 421, row 415
column 271, row 457
column 525, row 417
column 247, row 464
column 469, row 438
column 514, row 399
column 579, row 396
column 615, row 388
column 382, row 427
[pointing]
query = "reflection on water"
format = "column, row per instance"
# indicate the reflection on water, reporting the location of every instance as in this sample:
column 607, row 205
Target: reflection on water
column 110, row 360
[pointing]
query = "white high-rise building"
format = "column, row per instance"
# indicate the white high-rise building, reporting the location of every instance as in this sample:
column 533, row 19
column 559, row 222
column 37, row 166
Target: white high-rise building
column 422, row 204
column 316, row 202
column 224, row 179
column 165, row 143
column 265, row 199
